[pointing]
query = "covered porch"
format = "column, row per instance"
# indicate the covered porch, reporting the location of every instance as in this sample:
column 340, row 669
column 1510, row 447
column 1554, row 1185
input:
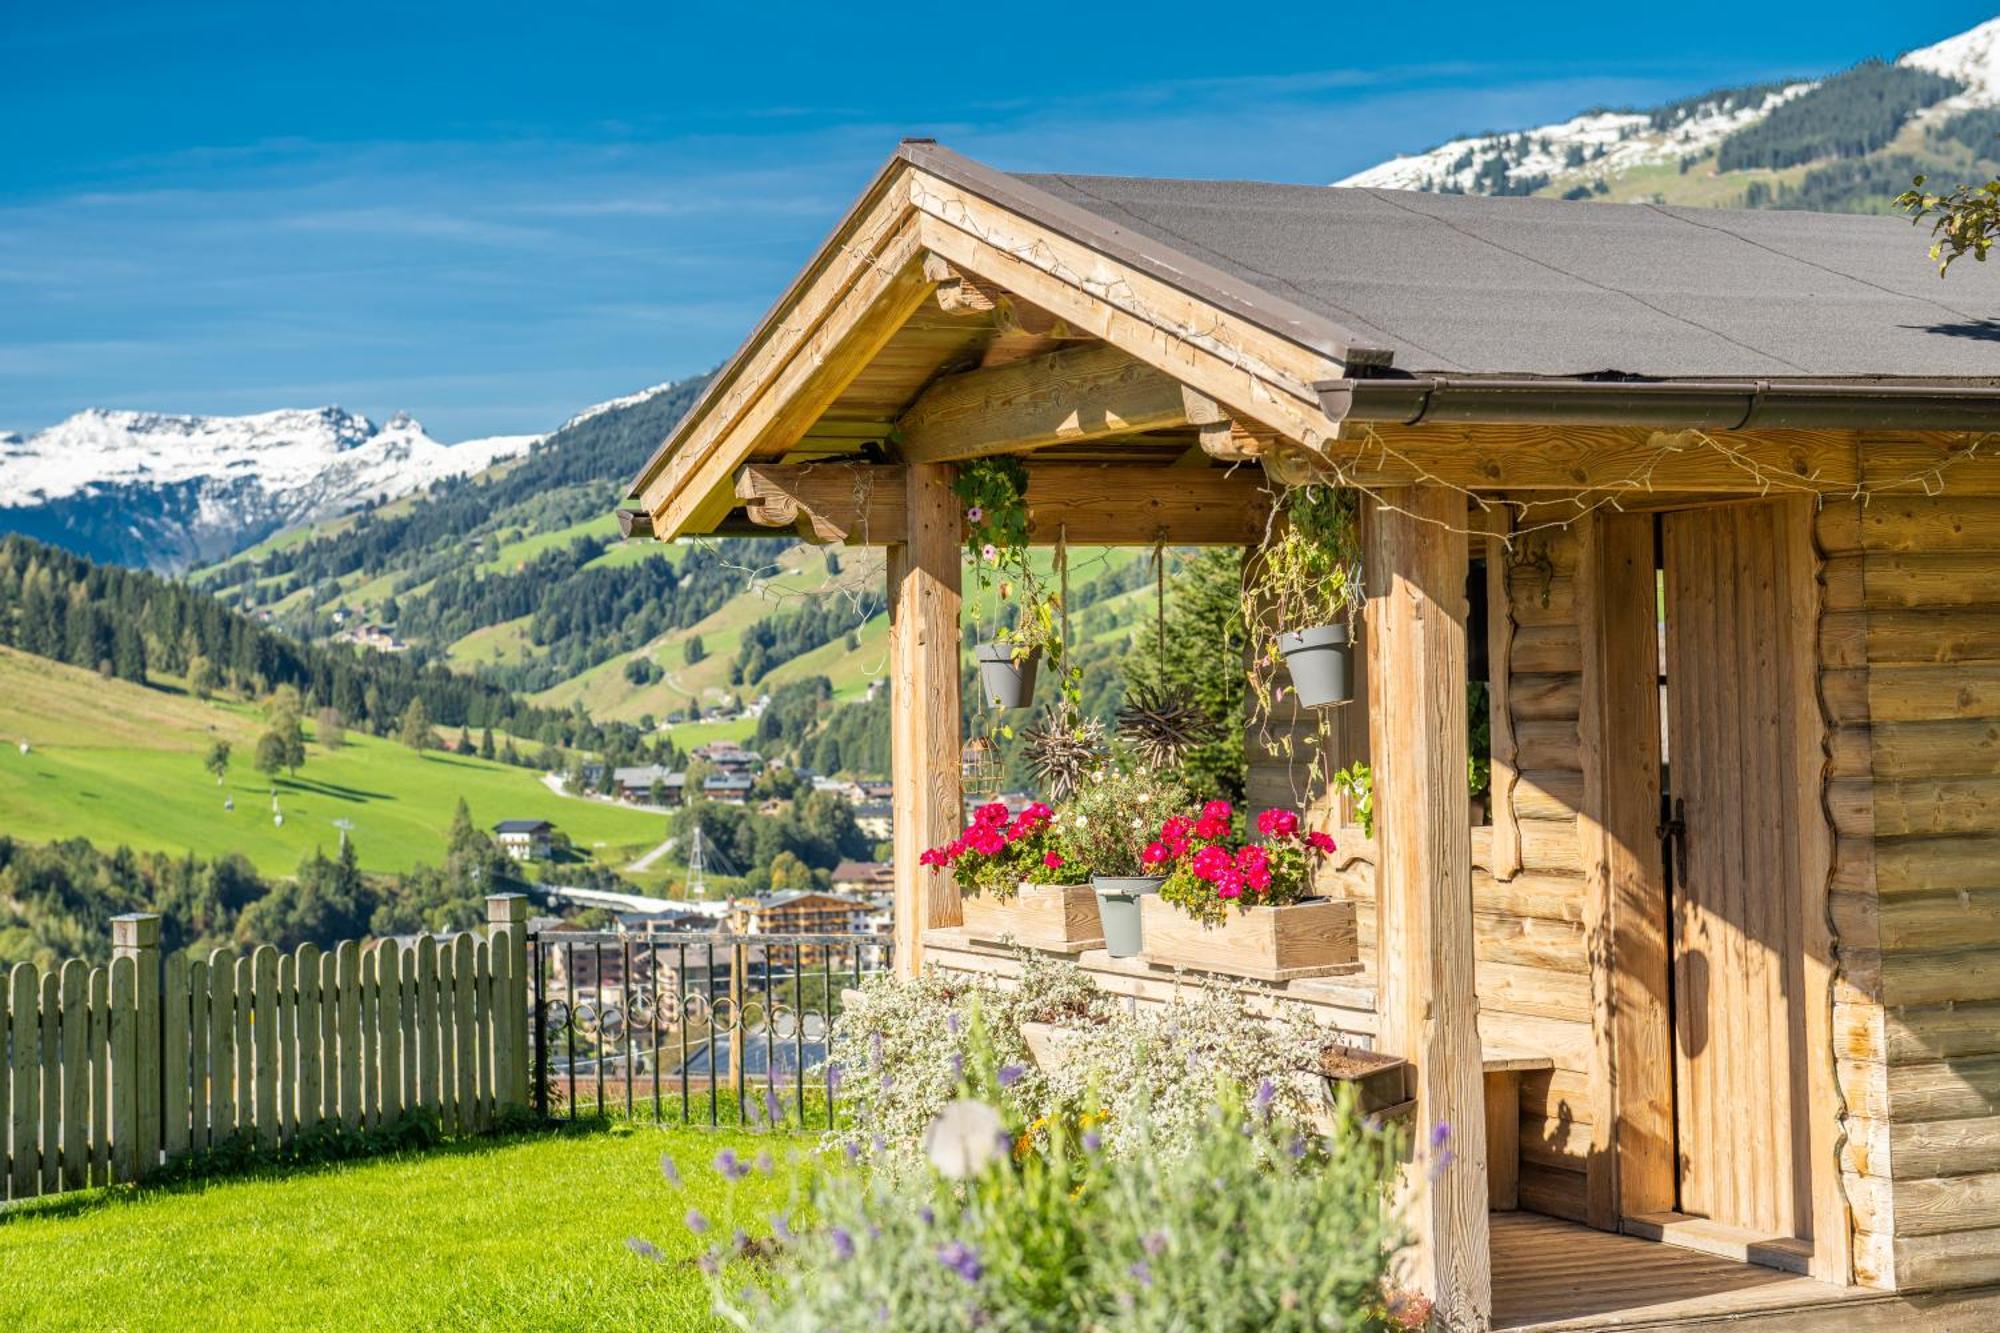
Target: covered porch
column 1662, row 578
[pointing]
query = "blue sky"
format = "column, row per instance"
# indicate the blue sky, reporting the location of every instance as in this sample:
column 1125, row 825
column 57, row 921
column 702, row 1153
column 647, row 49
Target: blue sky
column 493, row 215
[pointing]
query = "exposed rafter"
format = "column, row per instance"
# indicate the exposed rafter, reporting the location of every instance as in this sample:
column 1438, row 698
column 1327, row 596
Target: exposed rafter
column 1085, row 504
column 1064, row 397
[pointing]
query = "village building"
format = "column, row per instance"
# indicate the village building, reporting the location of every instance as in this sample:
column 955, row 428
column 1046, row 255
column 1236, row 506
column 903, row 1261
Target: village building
column 864, row 879
column 1713, row 1040
column 876, row 819
column 636, row 783
column 526, row 839
column 799, row 912
column 729, row 788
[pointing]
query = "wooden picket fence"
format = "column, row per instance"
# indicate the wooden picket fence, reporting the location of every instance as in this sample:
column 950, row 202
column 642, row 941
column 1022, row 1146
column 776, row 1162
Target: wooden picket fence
column 108, row 1072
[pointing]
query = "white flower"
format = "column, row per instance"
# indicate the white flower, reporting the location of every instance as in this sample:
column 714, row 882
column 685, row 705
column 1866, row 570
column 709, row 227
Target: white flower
column 966, row 1135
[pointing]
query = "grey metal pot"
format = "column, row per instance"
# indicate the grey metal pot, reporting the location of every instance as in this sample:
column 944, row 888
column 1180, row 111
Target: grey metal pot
column 1003, row 681
column 1321, row 660
column 1118, row 909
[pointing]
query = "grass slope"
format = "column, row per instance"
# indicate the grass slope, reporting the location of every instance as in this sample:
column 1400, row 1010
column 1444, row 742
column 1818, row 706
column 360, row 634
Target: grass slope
column 521, row 1233
column 119, row 763
column 796, row 573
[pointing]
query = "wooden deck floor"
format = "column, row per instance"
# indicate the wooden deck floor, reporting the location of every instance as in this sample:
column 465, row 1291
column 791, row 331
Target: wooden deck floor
column 1550, row 1275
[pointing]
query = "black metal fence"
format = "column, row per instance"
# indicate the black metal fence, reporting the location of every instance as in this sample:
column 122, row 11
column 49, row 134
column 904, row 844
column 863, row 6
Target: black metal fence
column 702, row 1029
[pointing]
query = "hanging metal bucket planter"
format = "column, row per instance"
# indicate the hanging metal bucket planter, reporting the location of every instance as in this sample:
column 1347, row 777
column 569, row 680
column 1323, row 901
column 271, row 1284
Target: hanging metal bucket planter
column 1004, row 680
column 1321, row 660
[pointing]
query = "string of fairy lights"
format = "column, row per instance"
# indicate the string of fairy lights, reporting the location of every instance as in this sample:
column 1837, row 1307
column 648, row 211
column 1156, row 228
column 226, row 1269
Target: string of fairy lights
column 1315, row 461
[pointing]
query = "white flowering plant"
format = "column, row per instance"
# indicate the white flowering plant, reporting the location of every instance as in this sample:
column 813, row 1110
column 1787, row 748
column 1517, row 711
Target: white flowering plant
column 1257, row 1228
column 900, row 1047
column 1116, row 815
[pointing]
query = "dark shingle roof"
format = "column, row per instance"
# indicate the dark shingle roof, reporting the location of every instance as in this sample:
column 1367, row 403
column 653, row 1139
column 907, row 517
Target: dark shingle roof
column 522, row 826
column 1460, row 284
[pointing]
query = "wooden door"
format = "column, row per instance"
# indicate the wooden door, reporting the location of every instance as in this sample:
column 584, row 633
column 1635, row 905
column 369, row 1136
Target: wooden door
column 1738, row 967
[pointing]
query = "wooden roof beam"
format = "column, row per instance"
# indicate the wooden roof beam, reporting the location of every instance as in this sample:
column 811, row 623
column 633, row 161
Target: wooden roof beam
column 1063, row 397
column 1087, row 504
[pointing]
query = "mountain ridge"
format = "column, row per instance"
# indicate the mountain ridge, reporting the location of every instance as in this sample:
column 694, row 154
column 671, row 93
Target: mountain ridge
column 167, row 490
column 1846, row 141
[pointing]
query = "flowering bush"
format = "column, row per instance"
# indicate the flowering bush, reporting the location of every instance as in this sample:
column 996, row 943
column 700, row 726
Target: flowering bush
column 1112, row 818
column 1256, row 1228
column 901, row 1045
column 999, row 851
column 1208, row 867
column 1173, row 1057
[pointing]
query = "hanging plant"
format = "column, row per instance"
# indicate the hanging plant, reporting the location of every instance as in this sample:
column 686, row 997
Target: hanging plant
column 1303, row 595
column 994, row 492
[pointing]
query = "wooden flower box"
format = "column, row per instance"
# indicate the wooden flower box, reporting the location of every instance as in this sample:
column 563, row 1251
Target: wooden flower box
column 1315, row 938
column 1061, row 918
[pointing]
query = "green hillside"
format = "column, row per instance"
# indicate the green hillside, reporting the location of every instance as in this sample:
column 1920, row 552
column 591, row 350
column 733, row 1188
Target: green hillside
column 1849, row 142
column 119, row 763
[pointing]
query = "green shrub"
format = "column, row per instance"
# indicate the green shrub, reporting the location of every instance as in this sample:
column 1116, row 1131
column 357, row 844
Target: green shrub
column 1256, row 1227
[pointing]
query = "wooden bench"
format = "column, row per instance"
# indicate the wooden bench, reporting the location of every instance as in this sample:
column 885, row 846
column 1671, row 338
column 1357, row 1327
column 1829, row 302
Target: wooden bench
column 1503, row 1069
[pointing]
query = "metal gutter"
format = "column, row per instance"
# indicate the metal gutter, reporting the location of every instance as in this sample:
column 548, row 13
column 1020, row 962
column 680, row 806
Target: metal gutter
column 1666, row 404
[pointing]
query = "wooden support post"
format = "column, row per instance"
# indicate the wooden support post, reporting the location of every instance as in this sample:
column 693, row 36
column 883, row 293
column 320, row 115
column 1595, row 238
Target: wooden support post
column 137, row 937
column 923, row 704
column 507, row 926
column 1426, row 999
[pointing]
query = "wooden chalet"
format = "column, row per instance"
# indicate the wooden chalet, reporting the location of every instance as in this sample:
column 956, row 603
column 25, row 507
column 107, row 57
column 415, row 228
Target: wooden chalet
column 1722, row 482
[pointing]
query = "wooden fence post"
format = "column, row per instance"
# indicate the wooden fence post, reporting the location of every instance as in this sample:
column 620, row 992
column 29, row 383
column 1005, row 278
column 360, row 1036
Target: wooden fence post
column 24, row 1014
column 507, row 923
column 137, row 936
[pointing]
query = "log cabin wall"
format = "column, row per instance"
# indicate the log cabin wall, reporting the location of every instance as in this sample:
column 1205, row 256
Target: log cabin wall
column 1533, row 962
column 1909, row 676
column 1910, row 650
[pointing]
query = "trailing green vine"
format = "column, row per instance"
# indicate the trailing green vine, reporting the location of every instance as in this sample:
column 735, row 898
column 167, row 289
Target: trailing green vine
column 1307, row 573
column 994, row 492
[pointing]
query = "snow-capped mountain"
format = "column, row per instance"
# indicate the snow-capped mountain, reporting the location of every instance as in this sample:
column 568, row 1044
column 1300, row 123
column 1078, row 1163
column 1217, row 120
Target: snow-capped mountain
column 1589, row 153
column 1973, row 58
column 619, row 404
column 167, row 491
column 1598, row 141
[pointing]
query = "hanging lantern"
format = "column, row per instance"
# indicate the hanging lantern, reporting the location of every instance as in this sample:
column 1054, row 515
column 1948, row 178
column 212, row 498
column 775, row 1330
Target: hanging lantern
column 979, row 768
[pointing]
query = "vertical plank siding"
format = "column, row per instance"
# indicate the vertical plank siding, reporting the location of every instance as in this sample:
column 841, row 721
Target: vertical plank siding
column 106, row 1073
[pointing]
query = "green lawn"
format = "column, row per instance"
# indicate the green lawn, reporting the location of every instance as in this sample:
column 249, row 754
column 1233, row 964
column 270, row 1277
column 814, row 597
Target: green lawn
column 119, row 763
column 512, row 1233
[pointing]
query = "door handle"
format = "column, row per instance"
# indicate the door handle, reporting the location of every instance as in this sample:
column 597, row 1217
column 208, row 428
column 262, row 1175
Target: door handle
column 1673, row 840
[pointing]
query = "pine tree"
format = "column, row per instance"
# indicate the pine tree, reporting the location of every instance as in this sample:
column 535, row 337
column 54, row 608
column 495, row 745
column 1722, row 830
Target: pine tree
column 417, row 732
column 486, row 743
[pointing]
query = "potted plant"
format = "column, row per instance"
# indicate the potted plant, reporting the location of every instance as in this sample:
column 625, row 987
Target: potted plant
column 1110, row 826
column 994, row 492
column 1246, row 907
column 1018, row 881
column 1305, row 590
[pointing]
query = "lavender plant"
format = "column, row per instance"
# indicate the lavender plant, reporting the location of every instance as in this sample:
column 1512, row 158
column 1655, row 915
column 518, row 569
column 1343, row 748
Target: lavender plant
column 1259, row 1228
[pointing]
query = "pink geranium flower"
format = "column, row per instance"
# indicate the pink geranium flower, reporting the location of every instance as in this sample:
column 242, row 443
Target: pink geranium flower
column 1156, row 853
column 1278, row 823
column 1051, row 860
column 1210, row 863
column 1321, row 842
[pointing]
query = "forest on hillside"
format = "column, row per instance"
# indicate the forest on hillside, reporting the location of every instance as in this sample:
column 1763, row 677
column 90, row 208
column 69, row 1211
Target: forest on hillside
column 133, row 625
column 57, row 900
